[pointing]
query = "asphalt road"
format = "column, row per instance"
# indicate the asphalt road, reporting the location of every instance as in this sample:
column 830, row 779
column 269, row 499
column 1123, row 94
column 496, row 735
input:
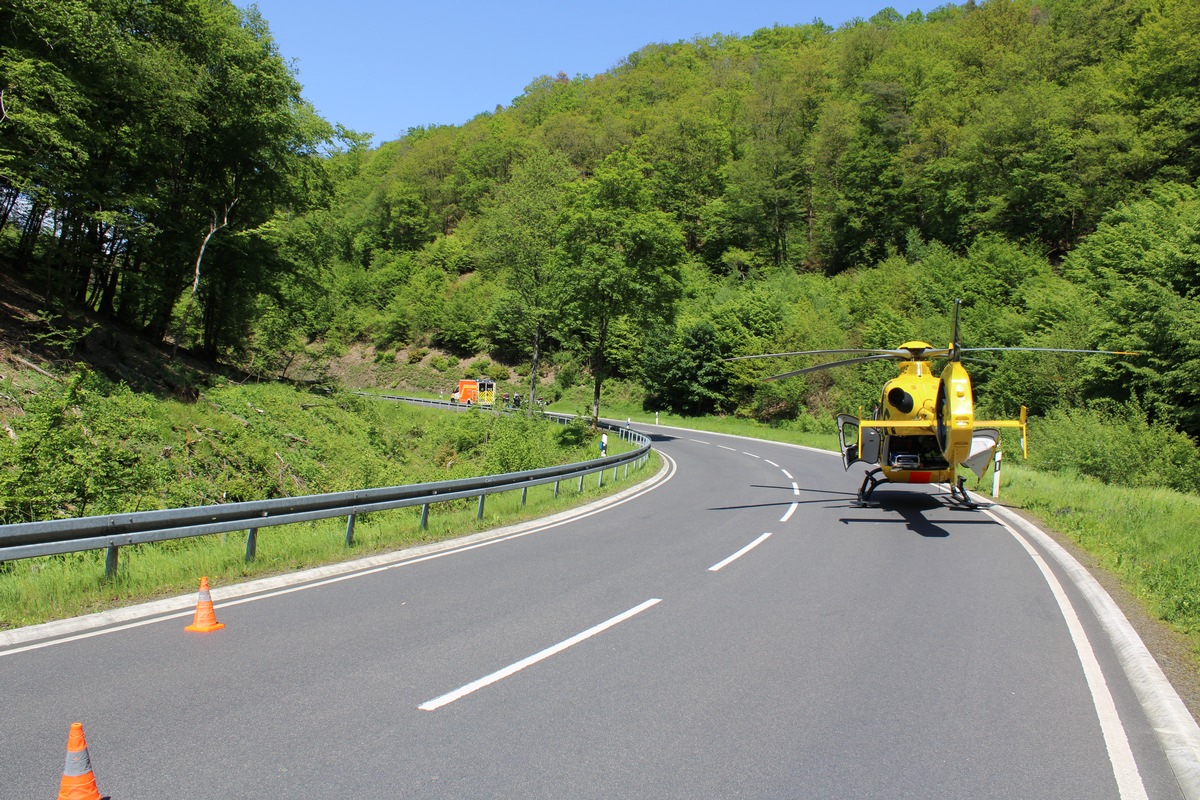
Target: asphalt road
column 741, row 630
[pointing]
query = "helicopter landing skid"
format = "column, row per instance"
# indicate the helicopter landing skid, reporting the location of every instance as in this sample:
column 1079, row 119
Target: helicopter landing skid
column 959, row 496
column 870, row 481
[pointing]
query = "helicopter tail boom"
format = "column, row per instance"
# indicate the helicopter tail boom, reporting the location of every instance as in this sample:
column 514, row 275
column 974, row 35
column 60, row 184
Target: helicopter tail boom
column 1021, row 423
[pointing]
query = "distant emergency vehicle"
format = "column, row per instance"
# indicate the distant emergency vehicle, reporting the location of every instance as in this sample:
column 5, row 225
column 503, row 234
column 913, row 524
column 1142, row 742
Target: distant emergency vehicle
column 475, row 392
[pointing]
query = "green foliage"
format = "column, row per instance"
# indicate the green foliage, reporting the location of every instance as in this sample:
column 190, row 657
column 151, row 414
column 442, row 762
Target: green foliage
column 687, row 375
column 567, row 375
column 498, row 372
column 618, row 259
column 1141, row 266
column 162, row 137
column 81, row 451
column 461, row 326
column 95, row 448
column 1116, row 445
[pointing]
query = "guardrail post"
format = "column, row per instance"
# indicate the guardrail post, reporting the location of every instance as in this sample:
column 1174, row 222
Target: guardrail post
column 599, row 479
column 556, row 489
column 251, row 544
column 580, row 483
column 110, row 561
column 479, row 513
column 524, row 494
column 350, row 530
column 626, row 469
column 425, row 516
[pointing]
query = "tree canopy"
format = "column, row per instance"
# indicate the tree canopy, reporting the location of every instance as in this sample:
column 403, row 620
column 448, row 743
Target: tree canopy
column 799, row 187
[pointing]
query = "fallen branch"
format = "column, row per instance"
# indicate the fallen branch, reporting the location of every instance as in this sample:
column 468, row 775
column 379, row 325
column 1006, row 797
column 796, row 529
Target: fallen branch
column 34, row 367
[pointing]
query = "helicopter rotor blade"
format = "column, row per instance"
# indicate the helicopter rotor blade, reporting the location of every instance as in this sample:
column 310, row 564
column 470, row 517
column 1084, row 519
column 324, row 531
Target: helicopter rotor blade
column 832, row 364
column 821, row 353
column 1046, row 350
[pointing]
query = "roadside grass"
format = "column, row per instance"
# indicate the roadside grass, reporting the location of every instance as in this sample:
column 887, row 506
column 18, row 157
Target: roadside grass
column 37, row 590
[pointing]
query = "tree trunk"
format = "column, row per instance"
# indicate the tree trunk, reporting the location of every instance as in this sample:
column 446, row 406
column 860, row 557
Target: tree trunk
column 30, row 231
column 213, row 227
column 107, row 305
column 533, row 373
column 10, row 196
column 597, row 380
column 599, row 367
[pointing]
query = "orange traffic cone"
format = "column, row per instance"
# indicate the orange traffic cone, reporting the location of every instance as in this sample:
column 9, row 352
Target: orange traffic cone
column 206, row 618
column 78, row 781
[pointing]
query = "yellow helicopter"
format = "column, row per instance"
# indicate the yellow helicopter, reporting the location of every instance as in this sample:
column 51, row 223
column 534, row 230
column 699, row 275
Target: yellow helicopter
column 924, row 426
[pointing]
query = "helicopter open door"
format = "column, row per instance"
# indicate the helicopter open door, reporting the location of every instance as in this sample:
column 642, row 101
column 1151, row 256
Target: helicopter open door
column 983, row 447
column 849, row 436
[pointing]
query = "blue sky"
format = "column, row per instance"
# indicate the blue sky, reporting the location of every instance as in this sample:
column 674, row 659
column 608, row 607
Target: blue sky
column 384, row 67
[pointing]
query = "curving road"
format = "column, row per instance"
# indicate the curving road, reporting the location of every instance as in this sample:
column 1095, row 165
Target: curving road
column 738, row 629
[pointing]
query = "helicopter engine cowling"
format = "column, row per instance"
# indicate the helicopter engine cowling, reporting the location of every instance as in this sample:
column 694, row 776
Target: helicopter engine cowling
column 955, row 413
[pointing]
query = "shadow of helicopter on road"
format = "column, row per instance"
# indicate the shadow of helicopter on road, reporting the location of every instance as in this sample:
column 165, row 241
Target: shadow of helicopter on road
column 913, row 509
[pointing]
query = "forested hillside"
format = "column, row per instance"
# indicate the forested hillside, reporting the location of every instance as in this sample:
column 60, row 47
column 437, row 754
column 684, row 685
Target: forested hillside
column 800, row 187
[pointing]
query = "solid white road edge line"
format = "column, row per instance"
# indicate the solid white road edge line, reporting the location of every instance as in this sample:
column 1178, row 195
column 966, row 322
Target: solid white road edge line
column 1129, row 780
column 1176, row 729
column 647, row 426
column 488, row 680
column 740, row 553
column 69, row 630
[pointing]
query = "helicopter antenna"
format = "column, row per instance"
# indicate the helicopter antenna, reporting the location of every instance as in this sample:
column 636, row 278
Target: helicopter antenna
column 955, row 348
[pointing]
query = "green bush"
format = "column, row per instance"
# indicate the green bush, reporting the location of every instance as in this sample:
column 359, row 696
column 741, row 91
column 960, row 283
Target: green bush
column 91, row 447
column 519, row 443
column 498, row 372
column 81, row 450
column 1116, row 444
column 568, row 376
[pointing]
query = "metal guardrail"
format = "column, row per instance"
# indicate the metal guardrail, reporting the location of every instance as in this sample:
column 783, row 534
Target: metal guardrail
column 111, row 531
